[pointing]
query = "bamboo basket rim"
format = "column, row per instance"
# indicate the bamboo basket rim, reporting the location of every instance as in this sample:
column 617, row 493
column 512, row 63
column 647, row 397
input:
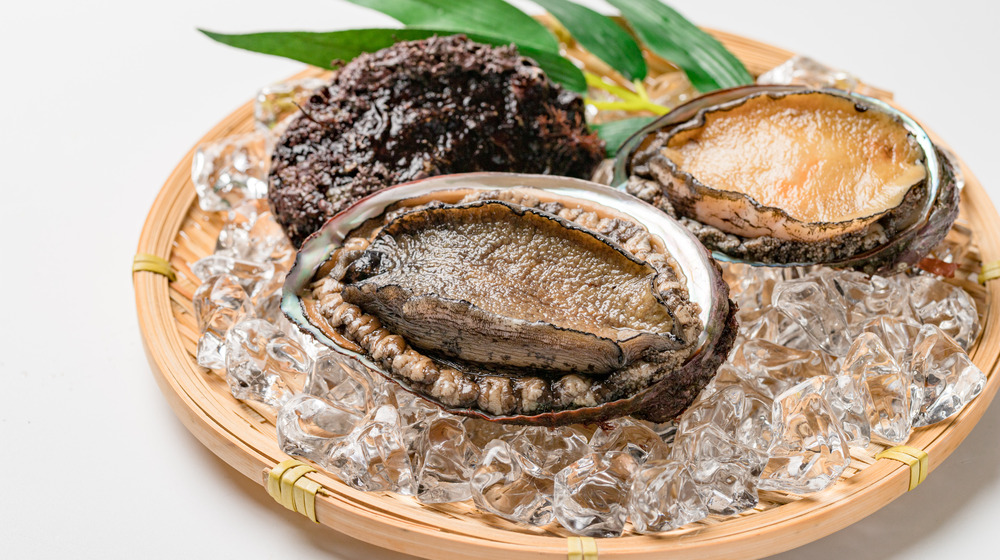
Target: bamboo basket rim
column 239, row 435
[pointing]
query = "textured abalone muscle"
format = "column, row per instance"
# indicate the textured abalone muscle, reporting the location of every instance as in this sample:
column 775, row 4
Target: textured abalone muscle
column 819, row 158
column 794, row 177
column 502, row 305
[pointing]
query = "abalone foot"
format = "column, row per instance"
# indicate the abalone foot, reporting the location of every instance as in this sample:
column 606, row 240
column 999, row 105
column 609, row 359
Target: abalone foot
column 664, row 401
column 887, row 246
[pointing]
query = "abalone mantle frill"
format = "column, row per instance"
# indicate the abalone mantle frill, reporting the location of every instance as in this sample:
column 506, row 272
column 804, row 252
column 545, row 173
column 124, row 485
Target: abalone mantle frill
column 501, row 305
column 786, row 175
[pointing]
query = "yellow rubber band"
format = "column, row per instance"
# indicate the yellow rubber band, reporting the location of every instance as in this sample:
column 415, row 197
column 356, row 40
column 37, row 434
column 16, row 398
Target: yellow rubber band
column 287, row 484
column 916, row 459
column 990, row 271
column 581, row 548
column 152, row 263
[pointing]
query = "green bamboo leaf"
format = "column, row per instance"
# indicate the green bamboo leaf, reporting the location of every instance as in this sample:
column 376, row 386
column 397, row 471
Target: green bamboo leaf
column 600, row 35
column 321, row 48
column 495, row 18
column 705, row 61
column 615, row 133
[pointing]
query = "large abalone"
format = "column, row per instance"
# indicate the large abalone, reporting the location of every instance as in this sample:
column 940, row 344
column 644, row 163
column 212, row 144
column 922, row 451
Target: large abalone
column 519, row 304
column 785, row 175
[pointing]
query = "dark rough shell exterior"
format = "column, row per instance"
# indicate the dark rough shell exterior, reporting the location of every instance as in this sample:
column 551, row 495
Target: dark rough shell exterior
column 422, row 108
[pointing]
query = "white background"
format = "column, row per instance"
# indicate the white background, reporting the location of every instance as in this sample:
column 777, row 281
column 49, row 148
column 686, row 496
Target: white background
column 98, row 102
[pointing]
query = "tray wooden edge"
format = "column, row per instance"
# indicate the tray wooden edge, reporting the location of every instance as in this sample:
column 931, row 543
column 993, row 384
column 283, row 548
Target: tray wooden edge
column 379, row 519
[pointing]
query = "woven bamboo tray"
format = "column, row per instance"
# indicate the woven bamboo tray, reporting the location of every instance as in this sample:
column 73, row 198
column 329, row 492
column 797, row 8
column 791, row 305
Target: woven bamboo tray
column 245, row 438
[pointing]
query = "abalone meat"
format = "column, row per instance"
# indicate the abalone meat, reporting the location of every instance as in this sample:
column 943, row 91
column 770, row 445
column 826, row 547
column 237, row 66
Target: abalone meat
column 785, row 175
column 521, row 304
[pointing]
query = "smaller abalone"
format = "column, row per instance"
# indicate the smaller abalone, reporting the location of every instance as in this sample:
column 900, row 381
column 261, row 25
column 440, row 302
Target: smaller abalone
column 784, row 175
column 520, row 305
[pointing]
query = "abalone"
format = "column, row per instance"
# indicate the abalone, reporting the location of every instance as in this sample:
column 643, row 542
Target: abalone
column 523, row 306
column 797, row 176
column 422, row 108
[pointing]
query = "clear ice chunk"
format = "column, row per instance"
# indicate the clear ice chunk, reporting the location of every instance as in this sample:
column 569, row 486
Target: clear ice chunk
column 663, row 497
column 666, row 430
column 944, row 377
column 849, row 400
column 256, row 278
column 503, row 485
column 865, row 297
column 739, row 411
column 251, row 233
column 775, row 368
column 309, row 426
column 883, row 384
column 809, row 451
column 550, row 449
column 752, row 287
column 946, row 306
column 445, row 460
column 802, row 70
column 275, row 103
column 591, row 494
column 773, row 326
column 263, row 364
column 482, row 432
column 219, row 303
column 231, row 170
column 629, row 436
column 811, row 304
column 898, row 335
column 413, row 410
column 373, row 456
column 341, row 380
column 725, row 471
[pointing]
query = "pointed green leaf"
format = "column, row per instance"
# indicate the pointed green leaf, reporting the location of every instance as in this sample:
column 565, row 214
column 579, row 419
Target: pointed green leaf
column 494, row 18
column 600, row 35
column 615, row 133
column 321, row 48
column 705, row 61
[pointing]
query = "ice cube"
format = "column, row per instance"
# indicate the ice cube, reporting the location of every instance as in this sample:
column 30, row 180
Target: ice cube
column 373, row 457
column 503, row 485
column 219, row 303
column 264, row 365
column 944, row 376
column 663, row 497
column 809, row 451
column 873, row 367
column 591, row 494
column 309, row 426
column 276, row 103
column 231, row 170
column 445, row 460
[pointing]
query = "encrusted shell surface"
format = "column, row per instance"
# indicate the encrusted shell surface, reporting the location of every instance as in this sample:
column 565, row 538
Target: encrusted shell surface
column 738, row 228
column 352, row 290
